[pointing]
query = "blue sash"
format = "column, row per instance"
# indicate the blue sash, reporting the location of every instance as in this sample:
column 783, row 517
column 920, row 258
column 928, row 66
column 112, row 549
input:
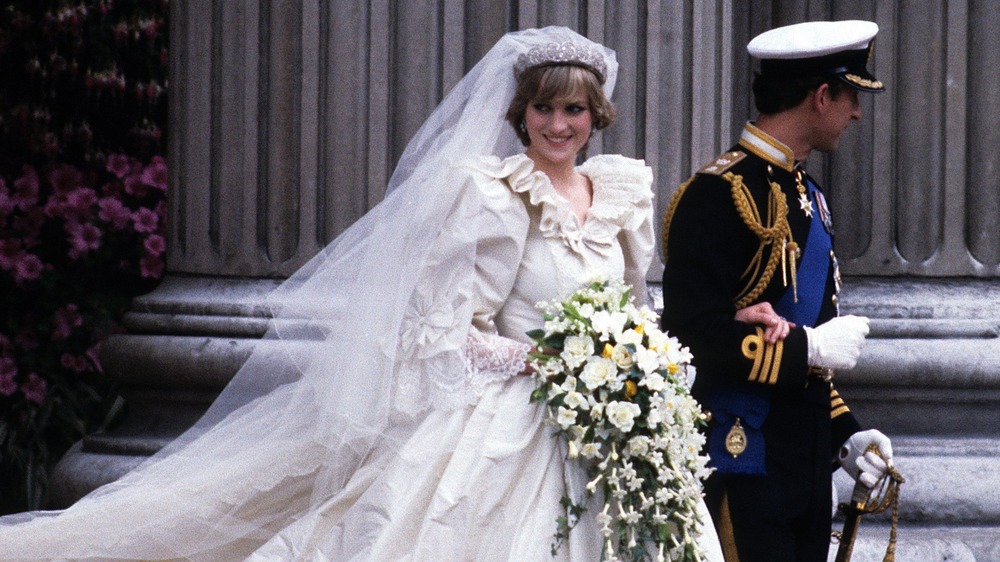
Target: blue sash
column 751, row 407
column 813, row 271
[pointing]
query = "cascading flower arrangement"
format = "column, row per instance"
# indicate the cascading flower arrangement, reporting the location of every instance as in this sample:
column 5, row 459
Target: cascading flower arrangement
column 616, row 388
column 82, row 215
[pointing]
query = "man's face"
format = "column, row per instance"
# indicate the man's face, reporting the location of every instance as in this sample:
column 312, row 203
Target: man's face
column 837, row 114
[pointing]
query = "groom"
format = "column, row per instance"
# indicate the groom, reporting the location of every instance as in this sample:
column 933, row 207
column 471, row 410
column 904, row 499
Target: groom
column 751, row 284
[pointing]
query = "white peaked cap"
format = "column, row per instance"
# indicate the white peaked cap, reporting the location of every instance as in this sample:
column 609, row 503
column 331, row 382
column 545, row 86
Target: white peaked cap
column 812, row 39
column 824, row 48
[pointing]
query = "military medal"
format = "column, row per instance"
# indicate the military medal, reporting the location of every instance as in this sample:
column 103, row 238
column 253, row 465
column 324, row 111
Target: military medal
column 804, row 203
column 736, row 440
column 824, row 212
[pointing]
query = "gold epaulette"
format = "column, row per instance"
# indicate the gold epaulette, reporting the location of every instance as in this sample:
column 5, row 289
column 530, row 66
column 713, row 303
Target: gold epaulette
column 772, row 229
column 722, row 162
column 717, row 166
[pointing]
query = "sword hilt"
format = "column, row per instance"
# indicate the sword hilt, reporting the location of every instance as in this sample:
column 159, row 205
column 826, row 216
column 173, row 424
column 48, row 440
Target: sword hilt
column 862, row 502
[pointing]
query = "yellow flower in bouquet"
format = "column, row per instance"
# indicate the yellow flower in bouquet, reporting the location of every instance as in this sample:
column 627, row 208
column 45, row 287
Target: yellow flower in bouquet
column 617, row 391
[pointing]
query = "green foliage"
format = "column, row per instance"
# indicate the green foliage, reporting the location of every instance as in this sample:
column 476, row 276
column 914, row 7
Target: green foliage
column 83, row 183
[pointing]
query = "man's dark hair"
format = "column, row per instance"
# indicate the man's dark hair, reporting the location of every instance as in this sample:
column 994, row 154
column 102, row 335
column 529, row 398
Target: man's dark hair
column 774, row 95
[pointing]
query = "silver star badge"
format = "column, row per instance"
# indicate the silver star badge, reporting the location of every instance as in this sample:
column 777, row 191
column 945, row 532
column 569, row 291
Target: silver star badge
column 805, row 204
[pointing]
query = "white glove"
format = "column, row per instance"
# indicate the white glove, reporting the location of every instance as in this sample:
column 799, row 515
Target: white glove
column 866, row 468
column 836, row 344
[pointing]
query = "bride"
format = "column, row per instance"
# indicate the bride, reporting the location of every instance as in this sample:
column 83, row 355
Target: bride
column 393, row 420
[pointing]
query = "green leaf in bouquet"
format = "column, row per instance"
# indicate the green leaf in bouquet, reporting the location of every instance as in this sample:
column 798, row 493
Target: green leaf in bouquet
column 537, row 334
column 539, row 395
column 574, row 314
column 626, row 297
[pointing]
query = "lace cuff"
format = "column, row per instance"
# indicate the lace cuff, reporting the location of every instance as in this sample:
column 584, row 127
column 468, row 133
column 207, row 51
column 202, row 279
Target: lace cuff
column 490, row 358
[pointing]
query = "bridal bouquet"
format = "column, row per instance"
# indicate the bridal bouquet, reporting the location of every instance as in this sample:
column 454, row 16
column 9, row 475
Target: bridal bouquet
column 616, row 389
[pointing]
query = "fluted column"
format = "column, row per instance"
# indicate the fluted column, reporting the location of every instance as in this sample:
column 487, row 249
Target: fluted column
column 286, row 118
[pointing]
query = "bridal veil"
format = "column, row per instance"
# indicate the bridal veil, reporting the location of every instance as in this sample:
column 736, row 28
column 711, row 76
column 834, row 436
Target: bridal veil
column 348, row 369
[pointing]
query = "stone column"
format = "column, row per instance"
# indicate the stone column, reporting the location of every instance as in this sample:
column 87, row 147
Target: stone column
column 279, row 139
column 286, row 119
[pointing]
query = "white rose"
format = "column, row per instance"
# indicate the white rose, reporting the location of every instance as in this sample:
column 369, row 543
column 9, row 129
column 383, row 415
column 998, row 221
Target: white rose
column 586, row 310
column 598, row 371
column 606, row 323
column 566, row 417
column 576, row 349
column 623, row 414
column 630, row 336
column 658, row 340
column 647, row 359
column 653, row 381
column 622, row 357
column 576, row 401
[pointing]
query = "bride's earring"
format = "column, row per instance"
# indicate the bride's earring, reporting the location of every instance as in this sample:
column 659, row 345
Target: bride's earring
column 522, row 127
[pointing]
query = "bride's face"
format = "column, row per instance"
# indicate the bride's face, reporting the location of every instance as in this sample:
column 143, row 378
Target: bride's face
column 559, row 129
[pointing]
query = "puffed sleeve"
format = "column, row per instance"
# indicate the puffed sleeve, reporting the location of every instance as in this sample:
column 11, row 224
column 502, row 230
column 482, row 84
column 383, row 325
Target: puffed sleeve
column 626, row 186
column 638, row 247
column 448, row 341
column 502, row 227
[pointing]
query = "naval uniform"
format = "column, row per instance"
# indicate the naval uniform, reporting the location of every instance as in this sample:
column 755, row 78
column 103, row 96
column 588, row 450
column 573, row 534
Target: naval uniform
column 751, row 227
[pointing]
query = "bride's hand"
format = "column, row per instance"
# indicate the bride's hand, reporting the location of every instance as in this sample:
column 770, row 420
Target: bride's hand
column 763, row 314
column 528, row 369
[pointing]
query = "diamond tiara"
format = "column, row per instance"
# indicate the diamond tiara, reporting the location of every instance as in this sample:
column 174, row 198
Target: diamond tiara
column 566, row 52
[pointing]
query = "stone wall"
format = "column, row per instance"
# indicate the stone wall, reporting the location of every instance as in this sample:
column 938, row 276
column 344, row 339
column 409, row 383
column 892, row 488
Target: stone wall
column 287, row 118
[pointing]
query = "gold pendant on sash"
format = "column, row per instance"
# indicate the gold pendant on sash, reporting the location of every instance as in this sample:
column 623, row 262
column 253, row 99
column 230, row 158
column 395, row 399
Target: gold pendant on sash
column 736, row 440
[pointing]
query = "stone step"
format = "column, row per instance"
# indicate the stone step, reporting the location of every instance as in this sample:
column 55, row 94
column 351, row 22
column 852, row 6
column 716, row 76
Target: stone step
column 935, row 384
column 915, row 543
column 948, row 481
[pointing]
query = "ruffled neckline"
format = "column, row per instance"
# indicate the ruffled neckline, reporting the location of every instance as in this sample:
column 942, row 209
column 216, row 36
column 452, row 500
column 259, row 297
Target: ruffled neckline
column 620, row 185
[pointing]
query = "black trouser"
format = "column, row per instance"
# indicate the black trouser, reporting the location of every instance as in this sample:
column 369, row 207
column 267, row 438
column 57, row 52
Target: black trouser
column 783, row 516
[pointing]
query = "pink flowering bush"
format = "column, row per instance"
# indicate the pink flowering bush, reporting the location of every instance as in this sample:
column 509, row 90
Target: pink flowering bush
column 83, row 188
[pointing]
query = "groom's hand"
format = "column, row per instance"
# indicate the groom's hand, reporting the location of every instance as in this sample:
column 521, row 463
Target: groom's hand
column 763, row 314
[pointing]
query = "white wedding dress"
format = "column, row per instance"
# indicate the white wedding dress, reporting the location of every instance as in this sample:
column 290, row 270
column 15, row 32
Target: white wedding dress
column 382, row 418
column 480, row 481
column 484, row 482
